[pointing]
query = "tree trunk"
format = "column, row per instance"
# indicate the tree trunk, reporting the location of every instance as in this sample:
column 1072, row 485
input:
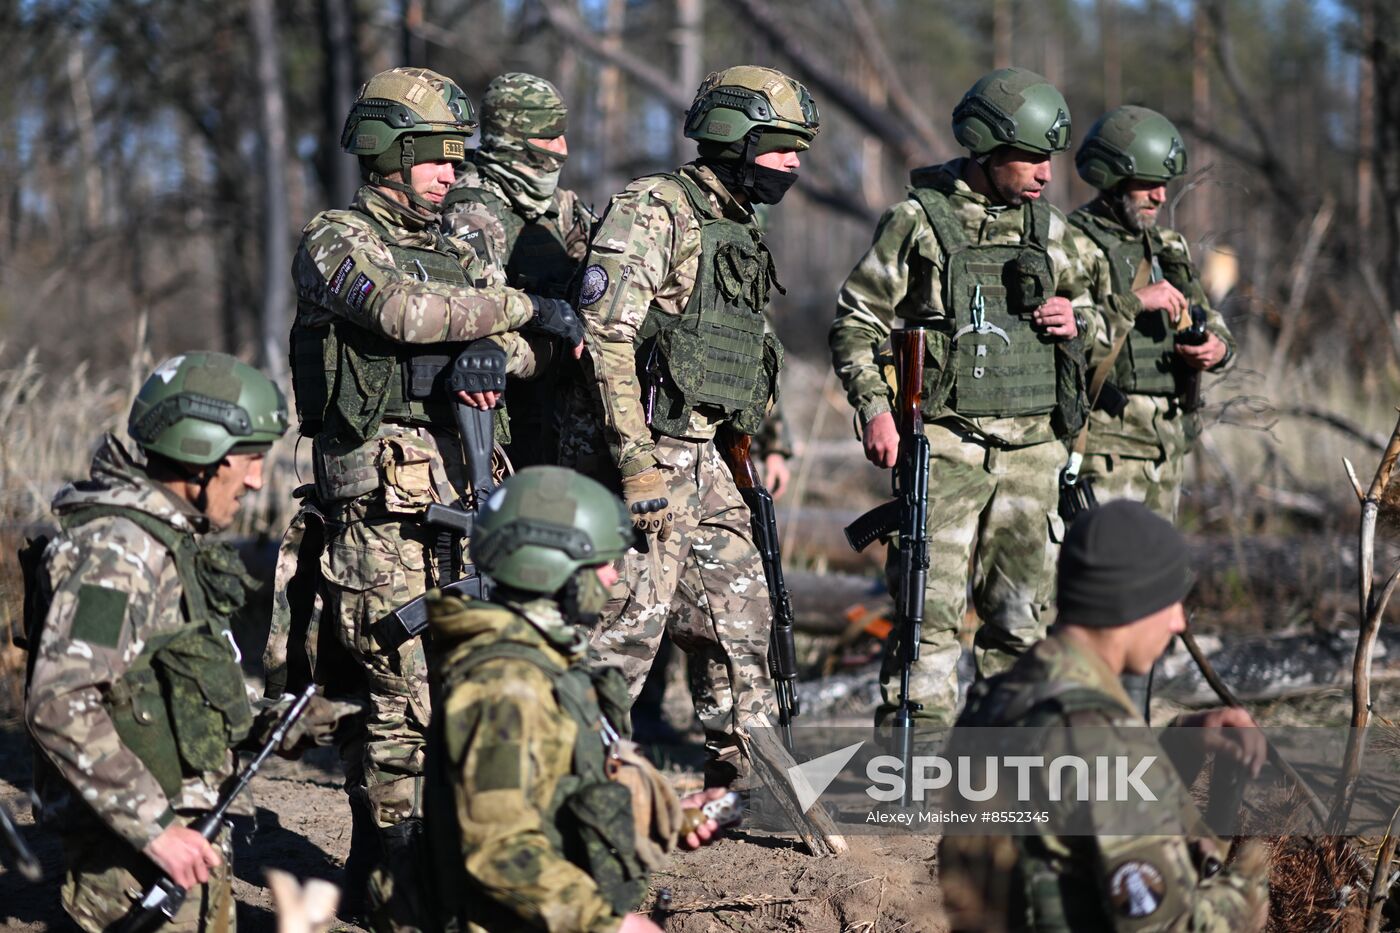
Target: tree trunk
column 1111, row 48
column 87, row 136
column 612, row 100
column 1201, row 156
column 1365, row 125
column 272, row 124
column 690, row 56
column 342, row 175
column 1001, row 33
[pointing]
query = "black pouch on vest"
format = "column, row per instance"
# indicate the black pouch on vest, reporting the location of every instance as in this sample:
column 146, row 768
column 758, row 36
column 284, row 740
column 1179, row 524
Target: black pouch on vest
column 424, row 376
column 1032, row 284
column 1111, row 400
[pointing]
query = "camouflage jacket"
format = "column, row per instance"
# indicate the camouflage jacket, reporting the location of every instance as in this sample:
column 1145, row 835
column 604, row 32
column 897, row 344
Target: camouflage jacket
column 645, row 255
column 519, row 746
column 112, row 587
column 344, row 270
column 899, row 276
column 1092, row 872
column 1150, row 427
column 567, row 217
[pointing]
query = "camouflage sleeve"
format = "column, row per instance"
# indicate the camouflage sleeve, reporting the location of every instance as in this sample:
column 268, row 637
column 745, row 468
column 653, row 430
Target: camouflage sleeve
column 870, row 299
column 343, row 265
column 577, row 221
column 518, row 745
column 109, row 591
column 1151, row 880
column 1111, row 311
column 1175, row 242
column 1073, row 277
column 645, row 254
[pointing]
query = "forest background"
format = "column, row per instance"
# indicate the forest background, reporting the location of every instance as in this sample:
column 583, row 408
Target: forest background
column 158, row 158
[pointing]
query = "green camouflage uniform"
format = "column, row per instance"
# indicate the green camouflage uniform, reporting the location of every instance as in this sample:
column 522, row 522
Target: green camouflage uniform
column 510, row 745
column 705, row 583
column 371, row 493
column 993, row 481
column 1140, row 453
column 506, row 202
column 1140, row 883
column 113, row 591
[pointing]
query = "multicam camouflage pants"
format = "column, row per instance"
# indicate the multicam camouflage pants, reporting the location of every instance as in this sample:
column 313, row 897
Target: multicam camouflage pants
column 1154, row 483
column 377, row 557
column 705, row 586
column 994, row 509
column 106, row 877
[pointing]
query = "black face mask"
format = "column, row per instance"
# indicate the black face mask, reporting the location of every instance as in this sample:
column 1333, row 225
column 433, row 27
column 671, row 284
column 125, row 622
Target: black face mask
column 770, row 184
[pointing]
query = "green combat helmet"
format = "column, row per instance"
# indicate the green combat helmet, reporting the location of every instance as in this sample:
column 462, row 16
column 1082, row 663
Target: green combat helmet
column 405, row 116
column 199, row 407
column 1012, row 107
column 733, row 102
column 1130, row 142
column 546, row 523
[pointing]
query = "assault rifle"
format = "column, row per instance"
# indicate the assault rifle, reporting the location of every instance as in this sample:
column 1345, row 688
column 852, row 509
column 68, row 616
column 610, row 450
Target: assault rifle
column 907, row 514
column 782, row 653
column 481, row 367
column 162, row 900
column 16, row 850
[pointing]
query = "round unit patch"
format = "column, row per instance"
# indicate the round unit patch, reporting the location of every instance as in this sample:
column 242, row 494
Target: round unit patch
column 1136, row 889
column 595, row 282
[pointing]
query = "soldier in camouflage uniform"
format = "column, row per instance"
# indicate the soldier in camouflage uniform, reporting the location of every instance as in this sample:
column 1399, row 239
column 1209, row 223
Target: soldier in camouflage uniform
column 1145, row 284
column 135, row 695
column 672, row 293
column 385, row 301
column 507, row 202
column 527, row 828
column 1122, row 575
column 976, row 257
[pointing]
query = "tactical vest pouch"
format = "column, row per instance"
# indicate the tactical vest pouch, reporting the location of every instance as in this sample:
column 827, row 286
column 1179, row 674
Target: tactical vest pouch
column 137, row 707
column 604, row 842
column 750, row 420
column 209, row 707
column 1071, row 377
column 313, row 372
column 344, row 472
column 1032, row 282
column 425, row 376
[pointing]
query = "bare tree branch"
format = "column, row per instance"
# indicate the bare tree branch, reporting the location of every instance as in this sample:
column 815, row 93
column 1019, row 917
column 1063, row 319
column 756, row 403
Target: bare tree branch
column 565, row 19
column 833, row 86
column 879, row 57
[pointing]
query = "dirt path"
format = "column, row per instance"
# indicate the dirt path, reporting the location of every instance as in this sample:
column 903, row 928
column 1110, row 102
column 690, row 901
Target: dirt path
column 750, row 882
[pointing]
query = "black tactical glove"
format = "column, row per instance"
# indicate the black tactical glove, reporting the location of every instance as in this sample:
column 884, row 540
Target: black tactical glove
column 481, row 367
column 556, row 317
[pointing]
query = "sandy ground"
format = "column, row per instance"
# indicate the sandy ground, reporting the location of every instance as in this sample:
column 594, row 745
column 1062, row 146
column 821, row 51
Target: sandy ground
column 749, row 881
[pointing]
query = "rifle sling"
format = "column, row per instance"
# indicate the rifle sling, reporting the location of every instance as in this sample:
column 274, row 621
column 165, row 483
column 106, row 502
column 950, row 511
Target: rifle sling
column 1101, row 371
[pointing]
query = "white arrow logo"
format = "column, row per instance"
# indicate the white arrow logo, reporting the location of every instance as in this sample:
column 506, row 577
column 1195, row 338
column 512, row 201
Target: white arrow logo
column 811, row 778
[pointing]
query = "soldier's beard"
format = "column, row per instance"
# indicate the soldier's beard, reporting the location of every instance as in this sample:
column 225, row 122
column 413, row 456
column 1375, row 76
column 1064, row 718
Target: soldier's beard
column 1130, row 213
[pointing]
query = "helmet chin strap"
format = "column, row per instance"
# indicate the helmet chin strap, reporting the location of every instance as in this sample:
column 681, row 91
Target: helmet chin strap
column 406, row 163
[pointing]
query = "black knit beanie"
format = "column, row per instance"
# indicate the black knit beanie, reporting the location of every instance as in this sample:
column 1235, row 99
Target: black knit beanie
column 1120, row 562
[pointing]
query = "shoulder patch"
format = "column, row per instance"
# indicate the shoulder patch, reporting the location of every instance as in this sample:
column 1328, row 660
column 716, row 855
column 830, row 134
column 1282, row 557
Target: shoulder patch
column 360, row 290
column 1137, row 889
column 99, row 615
column 342, row 272
column 595, row 283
